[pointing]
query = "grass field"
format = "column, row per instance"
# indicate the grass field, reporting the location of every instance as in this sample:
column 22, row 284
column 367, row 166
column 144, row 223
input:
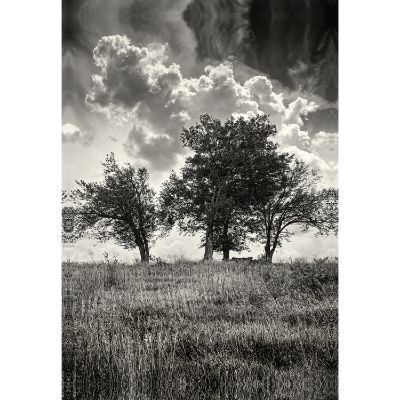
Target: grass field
column 187, row 330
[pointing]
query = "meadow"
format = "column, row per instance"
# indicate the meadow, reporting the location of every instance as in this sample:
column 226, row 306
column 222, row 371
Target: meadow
column 200, row 330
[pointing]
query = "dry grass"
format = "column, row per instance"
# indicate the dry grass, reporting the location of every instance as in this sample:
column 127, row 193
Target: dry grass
column 200, row 331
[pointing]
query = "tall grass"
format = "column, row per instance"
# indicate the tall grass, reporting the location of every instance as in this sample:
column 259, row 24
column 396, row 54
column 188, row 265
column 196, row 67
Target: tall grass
column 191, row 330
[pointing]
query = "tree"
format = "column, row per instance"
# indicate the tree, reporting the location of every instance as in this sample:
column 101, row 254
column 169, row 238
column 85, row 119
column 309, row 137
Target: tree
column 211, row 191
column 295, row 200
column 121, row 207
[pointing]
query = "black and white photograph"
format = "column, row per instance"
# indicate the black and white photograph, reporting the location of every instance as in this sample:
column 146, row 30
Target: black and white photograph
column 180, row 219
column 200, row 199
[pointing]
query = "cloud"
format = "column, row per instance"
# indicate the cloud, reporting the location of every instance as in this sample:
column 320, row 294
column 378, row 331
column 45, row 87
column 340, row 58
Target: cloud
column 328, row 171
column 138, row 84
column 299, row 52
column 299, row 109
column 156, row 151
column 291, row 134
column 221, row 27
column 325, row 145
column 73, row 134
column 160, row 20
column 129, row 75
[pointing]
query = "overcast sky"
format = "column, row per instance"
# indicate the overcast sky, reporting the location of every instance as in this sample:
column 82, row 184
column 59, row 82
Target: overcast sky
column 136, row 71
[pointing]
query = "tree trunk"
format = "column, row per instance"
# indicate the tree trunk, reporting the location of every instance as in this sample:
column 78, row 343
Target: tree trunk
column 268, row 254
column 146, row 250
column 271, row 250
column 208, row 248
column 225, row 242
column 143, row 246
column 225, row 254
column 141, row 242
column 144, row 253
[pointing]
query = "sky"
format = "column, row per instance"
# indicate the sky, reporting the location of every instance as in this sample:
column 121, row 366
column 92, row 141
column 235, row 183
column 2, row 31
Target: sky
column 136, row 71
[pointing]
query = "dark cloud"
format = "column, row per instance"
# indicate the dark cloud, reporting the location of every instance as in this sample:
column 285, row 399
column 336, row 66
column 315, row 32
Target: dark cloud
column 221, row 27
column 323, row 119
column 160, row 152
column 295, row 42
column 157, row 21
column 75, row 26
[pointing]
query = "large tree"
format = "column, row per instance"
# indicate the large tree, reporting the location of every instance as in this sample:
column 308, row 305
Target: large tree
column 295, row 201
column 121, row 207
column 211, row 191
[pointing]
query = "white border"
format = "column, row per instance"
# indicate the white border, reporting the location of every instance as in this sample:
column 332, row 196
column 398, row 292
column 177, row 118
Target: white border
column 30, row 167
column 369, row 198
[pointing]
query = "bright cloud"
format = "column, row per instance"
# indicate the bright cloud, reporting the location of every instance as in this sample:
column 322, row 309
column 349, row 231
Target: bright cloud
column 325, row 145
column 297, row 110
column 291, row 134
column 138, row 84
column 328, row 172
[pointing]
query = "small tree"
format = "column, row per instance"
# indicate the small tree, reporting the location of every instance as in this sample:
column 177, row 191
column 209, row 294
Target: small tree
column 212, row 190
column 295, row 200
column 121, row 207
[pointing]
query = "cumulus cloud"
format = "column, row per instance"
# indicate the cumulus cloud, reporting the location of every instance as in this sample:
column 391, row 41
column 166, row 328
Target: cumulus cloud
column 291, row 134
column 73, row 134
column 299, row 109
column 129, row 75
column 138, row 84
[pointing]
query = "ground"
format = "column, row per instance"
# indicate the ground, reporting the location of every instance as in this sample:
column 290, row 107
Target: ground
column 186, row 330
